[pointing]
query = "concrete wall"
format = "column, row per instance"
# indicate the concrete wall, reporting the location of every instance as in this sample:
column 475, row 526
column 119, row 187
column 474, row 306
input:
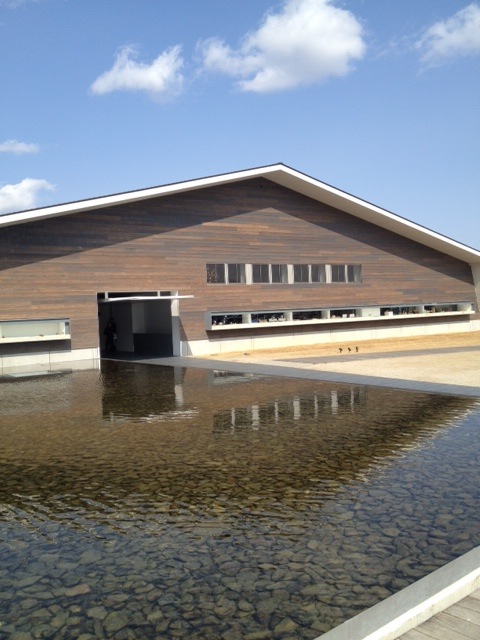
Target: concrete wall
column 334, row 335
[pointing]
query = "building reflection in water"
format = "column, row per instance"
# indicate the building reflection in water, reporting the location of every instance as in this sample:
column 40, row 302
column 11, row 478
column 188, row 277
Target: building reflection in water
column 143, row 393
column 147, row 394
column 295, row 408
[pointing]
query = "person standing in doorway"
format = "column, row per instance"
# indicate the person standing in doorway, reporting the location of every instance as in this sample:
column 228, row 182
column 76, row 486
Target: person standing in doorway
column 110, row 333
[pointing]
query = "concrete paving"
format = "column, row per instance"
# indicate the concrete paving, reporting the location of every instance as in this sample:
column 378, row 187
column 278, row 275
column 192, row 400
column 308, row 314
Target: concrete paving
column 452, row 371
column 458, row 367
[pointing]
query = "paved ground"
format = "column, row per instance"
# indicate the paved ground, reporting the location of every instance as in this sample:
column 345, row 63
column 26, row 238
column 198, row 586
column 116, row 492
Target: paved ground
column 430, row 363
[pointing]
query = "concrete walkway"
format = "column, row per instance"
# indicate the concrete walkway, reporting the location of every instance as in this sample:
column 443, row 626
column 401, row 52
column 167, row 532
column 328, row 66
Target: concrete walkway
column 452, row 371
column 458, row 367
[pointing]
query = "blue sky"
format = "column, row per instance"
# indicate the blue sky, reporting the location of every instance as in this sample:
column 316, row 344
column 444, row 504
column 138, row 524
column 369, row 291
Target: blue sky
column 380, row 98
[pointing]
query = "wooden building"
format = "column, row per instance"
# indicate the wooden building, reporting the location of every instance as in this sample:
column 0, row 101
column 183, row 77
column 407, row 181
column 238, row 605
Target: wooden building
column 253, row 259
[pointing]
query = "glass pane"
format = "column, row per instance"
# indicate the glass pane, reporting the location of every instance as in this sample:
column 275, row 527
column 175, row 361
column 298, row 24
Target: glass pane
column 260, row 273
column 279, row 273
column 354, row 273
column 318, row 273
column 215, row 273
column 236, row 273
column 300, row 272
column 338, row 273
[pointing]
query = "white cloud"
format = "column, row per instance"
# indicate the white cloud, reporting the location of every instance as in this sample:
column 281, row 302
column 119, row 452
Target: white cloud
column 305, row 43
column 456, row 36
column 162, row 79
column 17, row 197
column 18, row 148
column 13, row 4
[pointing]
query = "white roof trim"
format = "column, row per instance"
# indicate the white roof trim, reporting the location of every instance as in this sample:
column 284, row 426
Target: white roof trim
column 281, row 175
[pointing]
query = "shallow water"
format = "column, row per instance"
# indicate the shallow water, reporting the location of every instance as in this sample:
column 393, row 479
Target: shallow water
column 153, row 502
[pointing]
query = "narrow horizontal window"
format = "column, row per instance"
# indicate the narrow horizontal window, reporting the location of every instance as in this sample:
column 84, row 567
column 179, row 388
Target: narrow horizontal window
column 227, row 318
column 34, row 330
column 265, row 273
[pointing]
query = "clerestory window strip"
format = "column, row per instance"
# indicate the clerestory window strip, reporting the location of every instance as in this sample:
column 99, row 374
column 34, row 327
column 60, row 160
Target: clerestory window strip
column 266, row 273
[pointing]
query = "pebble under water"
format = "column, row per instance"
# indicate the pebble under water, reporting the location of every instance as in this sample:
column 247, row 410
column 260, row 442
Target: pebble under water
column 152, row 502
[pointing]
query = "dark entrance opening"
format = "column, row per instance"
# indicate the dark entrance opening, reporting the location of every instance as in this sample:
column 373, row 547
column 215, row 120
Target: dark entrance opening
column 143, row 323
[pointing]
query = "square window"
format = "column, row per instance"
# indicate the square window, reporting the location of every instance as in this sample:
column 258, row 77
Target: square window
column 338, row 273
column 354, row 273
column 216, row 273
column 279, row 273
column 236, row 273
column 260, row 273
column 319, row 273
column 300, row 273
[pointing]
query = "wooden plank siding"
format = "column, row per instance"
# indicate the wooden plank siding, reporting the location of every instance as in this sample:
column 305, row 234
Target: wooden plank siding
column 55, row 267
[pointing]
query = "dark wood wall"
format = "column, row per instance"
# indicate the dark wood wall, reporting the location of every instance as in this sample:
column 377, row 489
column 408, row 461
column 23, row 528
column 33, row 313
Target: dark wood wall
column 55, row 267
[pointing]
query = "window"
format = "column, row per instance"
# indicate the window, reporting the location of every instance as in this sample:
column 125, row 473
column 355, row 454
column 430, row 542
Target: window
column 260, row 273
column 338, row 273
column 34, row 330
column 220, row 273
column 319, row 273
column 264, row 273
column 300, row 273
column 346, row 273
column 268, row 317
column 279, row 273
column 216, row 273
column 269, row 273
column 227, row 318
column 354, row 273
column 236, row 273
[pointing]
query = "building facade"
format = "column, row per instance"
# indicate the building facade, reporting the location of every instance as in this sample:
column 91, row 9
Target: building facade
column 256, row 259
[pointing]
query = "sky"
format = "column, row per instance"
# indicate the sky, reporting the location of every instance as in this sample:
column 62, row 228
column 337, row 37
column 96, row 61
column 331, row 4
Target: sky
column 379, row 98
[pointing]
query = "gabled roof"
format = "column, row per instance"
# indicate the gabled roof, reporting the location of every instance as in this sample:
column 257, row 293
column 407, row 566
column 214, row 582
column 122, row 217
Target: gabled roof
column 281, row 175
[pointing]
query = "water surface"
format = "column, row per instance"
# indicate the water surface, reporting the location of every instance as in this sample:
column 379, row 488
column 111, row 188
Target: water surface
column 153, row 502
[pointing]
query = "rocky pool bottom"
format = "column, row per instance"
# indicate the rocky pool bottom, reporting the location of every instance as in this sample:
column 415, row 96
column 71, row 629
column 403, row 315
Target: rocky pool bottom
column 151, row 502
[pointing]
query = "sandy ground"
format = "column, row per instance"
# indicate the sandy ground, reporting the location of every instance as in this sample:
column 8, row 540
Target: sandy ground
column 452, row 359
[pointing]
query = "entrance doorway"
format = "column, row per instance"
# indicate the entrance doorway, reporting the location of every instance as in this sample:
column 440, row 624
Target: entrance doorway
column 146, row 323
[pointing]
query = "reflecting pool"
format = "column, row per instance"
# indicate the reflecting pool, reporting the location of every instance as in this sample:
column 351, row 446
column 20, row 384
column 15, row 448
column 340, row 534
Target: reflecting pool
column 151, row 502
